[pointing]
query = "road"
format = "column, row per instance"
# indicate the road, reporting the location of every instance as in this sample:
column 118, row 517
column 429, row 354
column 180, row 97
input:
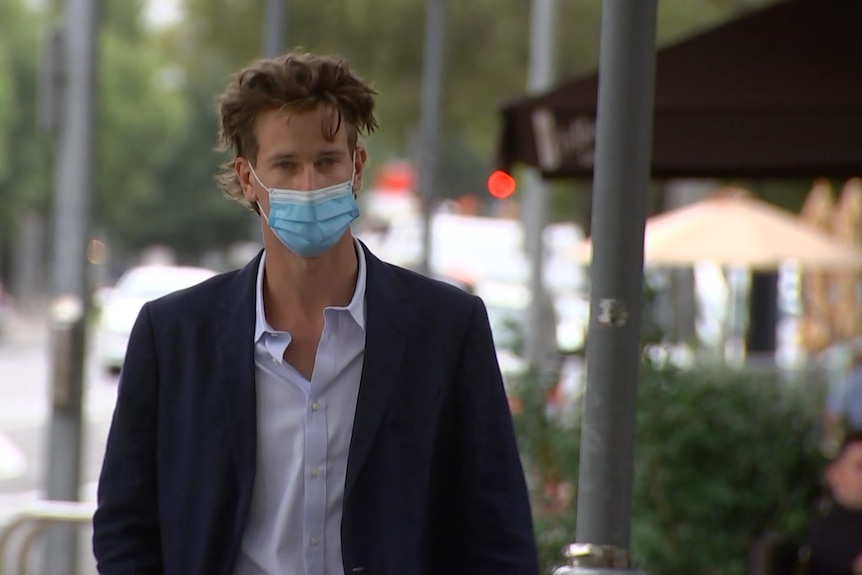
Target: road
column 24, row 415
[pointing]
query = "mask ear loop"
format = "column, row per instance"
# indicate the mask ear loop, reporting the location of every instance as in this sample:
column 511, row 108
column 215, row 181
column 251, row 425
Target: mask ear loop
column 260, row 210
column 259, row 207
column 353, row 161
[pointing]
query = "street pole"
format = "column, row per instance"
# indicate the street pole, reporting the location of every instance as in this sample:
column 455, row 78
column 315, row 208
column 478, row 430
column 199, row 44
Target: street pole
column 621, row 178
column 429, row 128
column 274, row 15
column 72, row 207
column 273, row 27
column 534, row 210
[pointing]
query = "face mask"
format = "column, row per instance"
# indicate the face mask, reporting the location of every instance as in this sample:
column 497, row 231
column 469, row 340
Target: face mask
column 310, row 222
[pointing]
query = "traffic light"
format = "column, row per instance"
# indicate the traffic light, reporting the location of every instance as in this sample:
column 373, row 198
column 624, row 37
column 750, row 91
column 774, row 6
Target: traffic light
column 501, row 185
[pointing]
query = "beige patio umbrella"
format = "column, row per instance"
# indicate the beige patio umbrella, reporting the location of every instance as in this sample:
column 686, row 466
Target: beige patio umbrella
column 734, row 229
column 847, row 227
column 815, row 328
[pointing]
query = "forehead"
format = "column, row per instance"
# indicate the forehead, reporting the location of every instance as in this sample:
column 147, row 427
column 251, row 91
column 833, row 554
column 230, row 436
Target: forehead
column 315, row 127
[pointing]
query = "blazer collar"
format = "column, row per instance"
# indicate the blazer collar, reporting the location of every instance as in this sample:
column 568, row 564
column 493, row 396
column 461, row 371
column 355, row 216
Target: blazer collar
column 388, row 321
column 234, row 360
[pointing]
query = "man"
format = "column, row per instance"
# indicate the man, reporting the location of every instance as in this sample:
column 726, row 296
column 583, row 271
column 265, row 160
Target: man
column 835, row 543
column 844, row 403
column 319, row 411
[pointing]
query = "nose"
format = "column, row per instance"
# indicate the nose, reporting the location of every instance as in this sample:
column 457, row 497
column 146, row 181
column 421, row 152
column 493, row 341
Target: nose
column 307, row 180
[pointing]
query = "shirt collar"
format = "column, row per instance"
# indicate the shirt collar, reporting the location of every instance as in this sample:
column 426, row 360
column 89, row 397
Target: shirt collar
column 356, row 307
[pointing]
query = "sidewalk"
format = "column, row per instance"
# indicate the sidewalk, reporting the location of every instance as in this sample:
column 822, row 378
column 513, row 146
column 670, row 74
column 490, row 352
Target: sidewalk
column 25, row 330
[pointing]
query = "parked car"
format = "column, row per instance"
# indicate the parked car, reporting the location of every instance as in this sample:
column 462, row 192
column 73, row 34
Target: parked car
column 123, row 302
column 13, row 462
column 7, row 312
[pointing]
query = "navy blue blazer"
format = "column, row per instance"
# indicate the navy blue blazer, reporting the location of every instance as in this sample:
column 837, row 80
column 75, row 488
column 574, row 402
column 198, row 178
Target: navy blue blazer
column 434, row 481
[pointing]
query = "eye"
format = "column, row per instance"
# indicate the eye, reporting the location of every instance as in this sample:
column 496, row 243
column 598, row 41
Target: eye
column 285, row 165
column 327, row 162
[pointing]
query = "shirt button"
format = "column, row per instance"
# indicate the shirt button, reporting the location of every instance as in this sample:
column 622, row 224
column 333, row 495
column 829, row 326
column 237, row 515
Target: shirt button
column 314, row 541
column 315, row 406
column 315, row 472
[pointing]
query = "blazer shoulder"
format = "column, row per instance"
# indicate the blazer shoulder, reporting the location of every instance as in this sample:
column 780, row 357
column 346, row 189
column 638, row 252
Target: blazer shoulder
column 434, row 291
column 199, row 298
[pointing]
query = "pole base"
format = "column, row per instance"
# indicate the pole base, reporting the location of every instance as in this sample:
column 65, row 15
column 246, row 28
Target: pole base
column 588, row 559
column 570, row 570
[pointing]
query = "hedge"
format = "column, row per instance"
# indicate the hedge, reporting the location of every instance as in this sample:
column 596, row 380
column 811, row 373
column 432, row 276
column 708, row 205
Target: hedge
column 722, row 457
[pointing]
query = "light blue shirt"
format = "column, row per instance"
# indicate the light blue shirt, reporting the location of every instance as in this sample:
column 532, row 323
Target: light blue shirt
column 303, row 437
column 846, row 400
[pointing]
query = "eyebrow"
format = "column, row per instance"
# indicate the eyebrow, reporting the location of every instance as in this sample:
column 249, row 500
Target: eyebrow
column 334, row 152
column 277, row 157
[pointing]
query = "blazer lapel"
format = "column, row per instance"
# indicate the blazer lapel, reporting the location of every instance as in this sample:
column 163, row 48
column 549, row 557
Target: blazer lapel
column 387, row 322
column 235, row 368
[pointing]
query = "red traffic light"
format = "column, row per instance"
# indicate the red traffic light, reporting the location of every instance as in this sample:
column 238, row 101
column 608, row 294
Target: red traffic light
column 501, row 185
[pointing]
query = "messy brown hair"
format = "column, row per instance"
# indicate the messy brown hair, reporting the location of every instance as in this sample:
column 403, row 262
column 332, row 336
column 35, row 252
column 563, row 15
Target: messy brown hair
column 297, row 82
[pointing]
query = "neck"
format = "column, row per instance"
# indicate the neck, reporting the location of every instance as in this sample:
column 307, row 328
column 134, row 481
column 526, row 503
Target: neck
column 296, row 287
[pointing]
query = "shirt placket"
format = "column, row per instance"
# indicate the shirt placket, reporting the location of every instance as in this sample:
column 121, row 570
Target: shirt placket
column 316, row 442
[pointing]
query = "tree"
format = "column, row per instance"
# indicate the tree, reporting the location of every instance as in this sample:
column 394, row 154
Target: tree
column 143, row 117
column 25, row 154
column 140, row 116
column 487, row 53
column 156, row 125
column 186, row 210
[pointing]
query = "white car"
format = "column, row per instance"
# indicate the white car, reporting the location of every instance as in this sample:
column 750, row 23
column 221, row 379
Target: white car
column 7, row 312
column 123, row 302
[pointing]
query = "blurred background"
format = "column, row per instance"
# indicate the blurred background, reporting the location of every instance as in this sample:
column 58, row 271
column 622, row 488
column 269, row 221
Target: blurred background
column 162, row 63
column 741, row 338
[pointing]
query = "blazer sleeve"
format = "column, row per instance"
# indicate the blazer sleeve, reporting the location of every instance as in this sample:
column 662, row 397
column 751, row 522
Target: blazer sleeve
column 493, row 506
column 126, row 534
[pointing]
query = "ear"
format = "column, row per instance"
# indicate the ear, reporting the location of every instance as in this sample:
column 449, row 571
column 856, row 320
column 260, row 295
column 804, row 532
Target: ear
column 246, row 180
column 359, row 161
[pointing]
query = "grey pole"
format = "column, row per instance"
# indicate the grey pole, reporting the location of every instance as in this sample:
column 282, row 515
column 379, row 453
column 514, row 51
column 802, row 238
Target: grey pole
column 429, row 127
column 273, row 23
column 273, row 26
column 623, row 153
column 72, row 206
column 535, row 203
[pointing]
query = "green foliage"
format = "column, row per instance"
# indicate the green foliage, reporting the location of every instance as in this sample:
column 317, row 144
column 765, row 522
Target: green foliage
column 487, row 50
column 25, row 155
column 157, row 124
column 722, row 457
column 551, row 450
column 186, row 211
column 124, row 18
column 139, row 119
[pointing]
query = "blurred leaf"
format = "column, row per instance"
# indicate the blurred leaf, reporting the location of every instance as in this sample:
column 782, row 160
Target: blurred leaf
column 25, row 155
column 722, row 457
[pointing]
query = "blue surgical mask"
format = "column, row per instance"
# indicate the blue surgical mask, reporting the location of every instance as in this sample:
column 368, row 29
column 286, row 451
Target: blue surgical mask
column 310, row 222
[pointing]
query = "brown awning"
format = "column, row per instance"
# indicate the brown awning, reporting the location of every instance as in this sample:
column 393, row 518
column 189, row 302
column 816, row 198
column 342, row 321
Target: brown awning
column 776, row 93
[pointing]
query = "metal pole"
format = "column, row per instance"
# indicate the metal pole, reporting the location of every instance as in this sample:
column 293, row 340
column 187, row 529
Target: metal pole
column 274, row 15
column 273, row 27
column 535, row 202
column 70, row 286
column 429, row 137
column 624, row 136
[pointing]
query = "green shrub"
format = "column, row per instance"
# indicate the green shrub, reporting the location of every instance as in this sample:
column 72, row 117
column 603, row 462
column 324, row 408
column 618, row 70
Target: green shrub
column 722, row 457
